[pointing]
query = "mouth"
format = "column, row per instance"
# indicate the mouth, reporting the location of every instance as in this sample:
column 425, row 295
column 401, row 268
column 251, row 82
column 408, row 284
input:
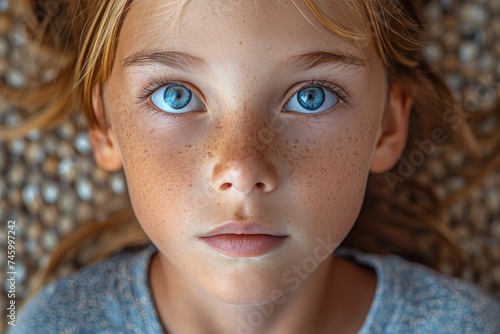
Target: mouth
column 239, row 239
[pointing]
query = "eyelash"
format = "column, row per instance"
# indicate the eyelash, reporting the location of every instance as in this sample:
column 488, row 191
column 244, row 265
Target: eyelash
column 148, row 90
column 340, row 93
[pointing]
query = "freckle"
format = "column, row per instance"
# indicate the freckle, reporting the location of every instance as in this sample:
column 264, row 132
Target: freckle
column 296, row 141
column 241, row 42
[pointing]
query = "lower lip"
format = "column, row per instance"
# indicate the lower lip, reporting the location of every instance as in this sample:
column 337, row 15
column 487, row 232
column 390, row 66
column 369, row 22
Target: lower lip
column 244, row 245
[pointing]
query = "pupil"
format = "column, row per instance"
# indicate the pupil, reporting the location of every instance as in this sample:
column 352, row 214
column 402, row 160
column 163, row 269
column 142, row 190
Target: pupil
column 311, row 98
column 177, row 97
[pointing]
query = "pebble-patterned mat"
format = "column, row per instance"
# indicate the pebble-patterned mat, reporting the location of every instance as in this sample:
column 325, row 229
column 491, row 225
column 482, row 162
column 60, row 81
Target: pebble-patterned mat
column 49, row 181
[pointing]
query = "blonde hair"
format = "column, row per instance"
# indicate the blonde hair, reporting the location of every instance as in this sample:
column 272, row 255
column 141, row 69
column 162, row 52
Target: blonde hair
column 408, row 221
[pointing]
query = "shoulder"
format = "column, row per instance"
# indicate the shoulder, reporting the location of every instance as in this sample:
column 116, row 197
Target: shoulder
column 414, row 298
column 104, row 297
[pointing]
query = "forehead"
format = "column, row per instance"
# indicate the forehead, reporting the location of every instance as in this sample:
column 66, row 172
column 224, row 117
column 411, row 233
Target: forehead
column 225, row 27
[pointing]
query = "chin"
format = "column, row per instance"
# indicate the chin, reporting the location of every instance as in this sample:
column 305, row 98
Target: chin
column 251, row 284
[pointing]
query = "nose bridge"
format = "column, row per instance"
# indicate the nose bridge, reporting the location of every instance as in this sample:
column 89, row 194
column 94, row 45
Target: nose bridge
column 242, row 163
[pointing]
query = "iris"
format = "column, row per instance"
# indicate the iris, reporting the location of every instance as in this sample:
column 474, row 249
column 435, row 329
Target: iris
column 177, row 97
column 311, row 98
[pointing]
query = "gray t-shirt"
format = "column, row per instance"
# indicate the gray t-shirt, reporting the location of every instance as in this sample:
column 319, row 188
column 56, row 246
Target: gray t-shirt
column 113, row 296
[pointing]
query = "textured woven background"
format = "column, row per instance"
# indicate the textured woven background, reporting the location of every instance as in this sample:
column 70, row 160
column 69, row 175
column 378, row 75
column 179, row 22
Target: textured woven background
column 49, row 182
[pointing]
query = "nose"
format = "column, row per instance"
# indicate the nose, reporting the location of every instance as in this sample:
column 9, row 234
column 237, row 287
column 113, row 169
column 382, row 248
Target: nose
column 244, row 170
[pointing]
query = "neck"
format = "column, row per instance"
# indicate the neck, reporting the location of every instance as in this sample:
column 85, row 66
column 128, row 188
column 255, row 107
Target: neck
column 321, row 303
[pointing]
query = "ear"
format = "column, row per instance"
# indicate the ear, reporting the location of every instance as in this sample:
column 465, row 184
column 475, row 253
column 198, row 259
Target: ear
column 393, row 132
column 105, row 146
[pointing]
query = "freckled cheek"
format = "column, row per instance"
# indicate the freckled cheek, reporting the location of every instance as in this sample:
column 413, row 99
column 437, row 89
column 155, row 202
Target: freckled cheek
column 330, row 177
column 160, row 169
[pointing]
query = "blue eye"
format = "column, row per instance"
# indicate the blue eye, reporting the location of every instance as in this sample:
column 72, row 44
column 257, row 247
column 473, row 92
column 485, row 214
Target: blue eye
column 312, row 100
column 176, row 99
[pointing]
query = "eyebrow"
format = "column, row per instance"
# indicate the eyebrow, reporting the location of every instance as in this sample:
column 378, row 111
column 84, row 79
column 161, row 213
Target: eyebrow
column 319, row 58
column 173, row 59
column 184, row 61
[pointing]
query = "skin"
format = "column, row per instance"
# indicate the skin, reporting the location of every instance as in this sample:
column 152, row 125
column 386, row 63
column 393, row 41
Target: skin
column 189, row 174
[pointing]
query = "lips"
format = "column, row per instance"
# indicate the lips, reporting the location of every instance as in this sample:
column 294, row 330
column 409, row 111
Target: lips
column 243, row 227
column 243, row 239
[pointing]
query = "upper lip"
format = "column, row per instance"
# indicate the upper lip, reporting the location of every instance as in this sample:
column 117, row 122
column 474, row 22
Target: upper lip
column 242, row 227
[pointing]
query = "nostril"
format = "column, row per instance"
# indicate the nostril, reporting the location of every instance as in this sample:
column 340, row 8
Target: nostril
column 227, row 185
column 244, row 177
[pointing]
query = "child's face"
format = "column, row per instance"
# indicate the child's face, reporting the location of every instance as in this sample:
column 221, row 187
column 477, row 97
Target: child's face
column 261, row 133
